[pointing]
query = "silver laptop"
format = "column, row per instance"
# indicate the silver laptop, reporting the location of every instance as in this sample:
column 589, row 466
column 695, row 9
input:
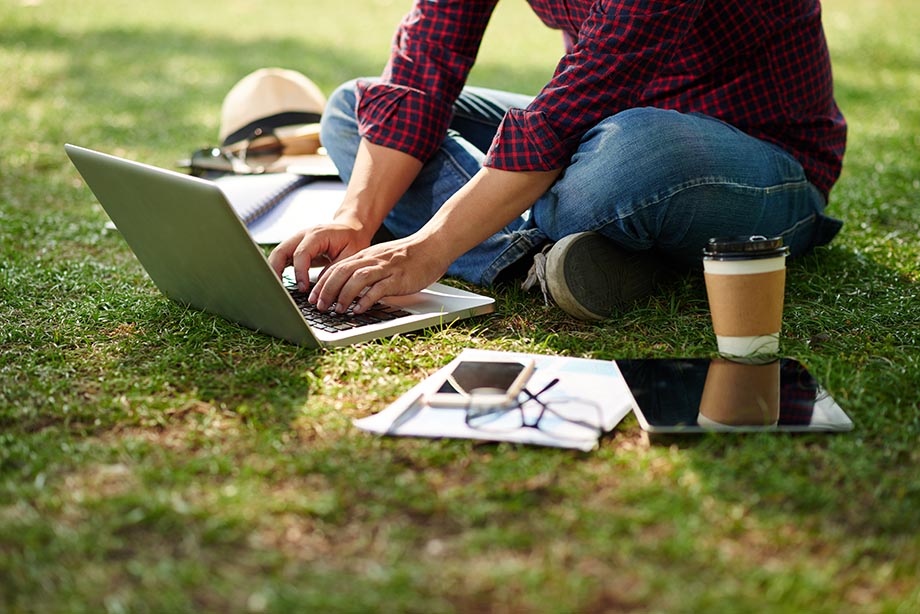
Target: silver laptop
column 198, row 253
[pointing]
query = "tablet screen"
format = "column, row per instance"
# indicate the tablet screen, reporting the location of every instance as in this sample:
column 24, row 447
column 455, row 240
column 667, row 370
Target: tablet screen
column 700, row 395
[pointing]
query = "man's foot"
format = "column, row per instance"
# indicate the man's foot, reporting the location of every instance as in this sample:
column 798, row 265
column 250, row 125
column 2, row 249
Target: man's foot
column 590, row 278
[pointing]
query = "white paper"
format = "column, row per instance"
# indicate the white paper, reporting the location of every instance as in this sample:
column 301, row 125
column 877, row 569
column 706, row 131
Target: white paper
column 312, row 204
column 596, row 381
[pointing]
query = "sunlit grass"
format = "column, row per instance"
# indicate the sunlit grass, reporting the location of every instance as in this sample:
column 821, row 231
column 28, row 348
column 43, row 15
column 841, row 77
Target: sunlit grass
column 154, row 458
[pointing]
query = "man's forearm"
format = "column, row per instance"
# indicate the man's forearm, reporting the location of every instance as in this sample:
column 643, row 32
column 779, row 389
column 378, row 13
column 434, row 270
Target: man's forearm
column 379, row 179
column 485, row 205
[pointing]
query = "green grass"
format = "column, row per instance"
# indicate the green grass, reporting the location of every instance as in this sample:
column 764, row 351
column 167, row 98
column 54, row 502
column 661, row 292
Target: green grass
column 158, row 459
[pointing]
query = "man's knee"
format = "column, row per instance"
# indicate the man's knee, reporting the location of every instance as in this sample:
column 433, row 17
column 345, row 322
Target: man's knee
column 623, row 165
column 339, row 127
column 339, row 111
column 343, row 97
column 647, row 147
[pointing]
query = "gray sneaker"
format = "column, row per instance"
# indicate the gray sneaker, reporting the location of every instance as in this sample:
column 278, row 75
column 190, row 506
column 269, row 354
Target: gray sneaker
column 590, row 278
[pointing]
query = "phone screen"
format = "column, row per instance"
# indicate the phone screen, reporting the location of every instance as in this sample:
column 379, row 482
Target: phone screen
column 485, row 376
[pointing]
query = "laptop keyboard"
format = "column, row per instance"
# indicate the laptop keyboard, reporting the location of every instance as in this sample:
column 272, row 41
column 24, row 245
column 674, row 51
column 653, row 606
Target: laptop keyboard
column 333, row 322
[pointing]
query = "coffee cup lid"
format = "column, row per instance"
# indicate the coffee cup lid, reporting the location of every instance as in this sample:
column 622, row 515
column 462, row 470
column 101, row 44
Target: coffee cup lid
column 744, row 248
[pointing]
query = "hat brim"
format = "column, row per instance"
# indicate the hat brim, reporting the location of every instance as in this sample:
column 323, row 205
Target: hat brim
column 315, row 165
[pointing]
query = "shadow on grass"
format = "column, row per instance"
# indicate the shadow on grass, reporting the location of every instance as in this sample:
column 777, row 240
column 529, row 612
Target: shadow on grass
column 138, row 85
column 135, row 85
column 92, row 350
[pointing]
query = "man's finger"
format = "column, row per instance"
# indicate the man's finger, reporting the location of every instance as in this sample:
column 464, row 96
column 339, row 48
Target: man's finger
column 301, row 260
column 280, row 257
column 374, row 293
column 328, row 287
column 361, row 281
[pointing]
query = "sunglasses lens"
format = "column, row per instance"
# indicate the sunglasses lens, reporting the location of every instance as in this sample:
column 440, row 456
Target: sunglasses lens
column 210, row 159
column 262, row 150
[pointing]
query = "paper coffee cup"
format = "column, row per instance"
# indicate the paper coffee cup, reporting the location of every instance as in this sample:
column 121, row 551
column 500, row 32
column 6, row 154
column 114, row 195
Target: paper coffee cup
column 745, row 283
column 740, row 394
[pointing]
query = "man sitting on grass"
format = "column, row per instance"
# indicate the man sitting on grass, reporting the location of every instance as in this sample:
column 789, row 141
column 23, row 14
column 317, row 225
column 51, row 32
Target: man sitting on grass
column 666, row 122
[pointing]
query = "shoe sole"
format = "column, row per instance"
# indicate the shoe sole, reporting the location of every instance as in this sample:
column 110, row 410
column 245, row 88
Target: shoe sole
column 556, row 278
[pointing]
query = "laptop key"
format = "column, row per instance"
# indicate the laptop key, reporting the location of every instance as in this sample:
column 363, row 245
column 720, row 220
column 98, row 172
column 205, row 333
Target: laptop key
column 380, row 314
column 332, row 321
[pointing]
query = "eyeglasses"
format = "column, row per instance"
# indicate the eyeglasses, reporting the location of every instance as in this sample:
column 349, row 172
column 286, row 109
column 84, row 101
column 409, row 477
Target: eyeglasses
column 251, row 156
column 566, row 418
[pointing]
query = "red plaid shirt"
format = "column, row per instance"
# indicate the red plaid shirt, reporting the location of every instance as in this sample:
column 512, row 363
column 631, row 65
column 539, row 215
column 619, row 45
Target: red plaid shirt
column 760, row 65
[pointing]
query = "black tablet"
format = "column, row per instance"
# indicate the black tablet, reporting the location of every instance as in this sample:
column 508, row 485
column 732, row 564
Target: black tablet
column 697, row 395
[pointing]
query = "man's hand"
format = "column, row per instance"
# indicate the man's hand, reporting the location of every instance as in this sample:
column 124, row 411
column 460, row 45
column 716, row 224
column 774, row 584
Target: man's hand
column 317, row 246
column 480, row 208
column 379, row 178
column 404, row 266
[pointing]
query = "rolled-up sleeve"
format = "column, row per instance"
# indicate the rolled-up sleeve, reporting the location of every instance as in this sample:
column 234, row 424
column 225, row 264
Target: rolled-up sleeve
column 433, row 50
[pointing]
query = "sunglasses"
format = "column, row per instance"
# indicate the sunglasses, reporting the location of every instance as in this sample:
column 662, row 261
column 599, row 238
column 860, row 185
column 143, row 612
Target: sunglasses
column 259, row 153
column 251, row 156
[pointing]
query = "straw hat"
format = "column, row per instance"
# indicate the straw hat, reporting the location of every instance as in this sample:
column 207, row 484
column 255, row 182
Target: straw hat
column 268, row 99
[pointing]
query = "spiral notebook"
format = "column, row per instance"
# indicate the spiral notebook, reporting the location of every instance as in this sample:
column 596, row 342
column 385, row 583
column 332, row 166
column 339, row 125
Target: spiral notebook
column 275, row 205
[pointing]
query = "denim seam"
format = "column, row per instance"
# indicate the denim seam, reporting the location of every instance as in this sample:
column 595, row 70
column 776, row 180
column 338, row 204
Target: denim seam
column 455, row 165
column 706, row 182
column 501, row 261
column 807, row 219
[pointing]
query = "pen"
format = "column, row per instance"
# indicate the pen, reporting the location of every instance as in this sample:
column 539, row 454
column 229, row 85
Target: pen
column 407, row 414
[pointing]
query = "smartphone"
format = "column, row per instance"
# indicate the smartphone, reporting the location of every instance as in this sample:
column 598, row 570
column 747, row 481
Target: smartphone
column 482, row 383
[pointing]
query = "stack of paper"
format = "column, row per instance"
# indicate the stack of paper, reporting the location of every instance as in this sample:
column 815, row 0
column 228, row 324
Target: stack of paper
column 597, row 383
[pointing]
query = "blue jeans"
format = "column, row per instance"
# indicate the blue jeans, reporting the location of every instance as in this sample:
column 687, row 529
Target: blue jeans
column 646, row 178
